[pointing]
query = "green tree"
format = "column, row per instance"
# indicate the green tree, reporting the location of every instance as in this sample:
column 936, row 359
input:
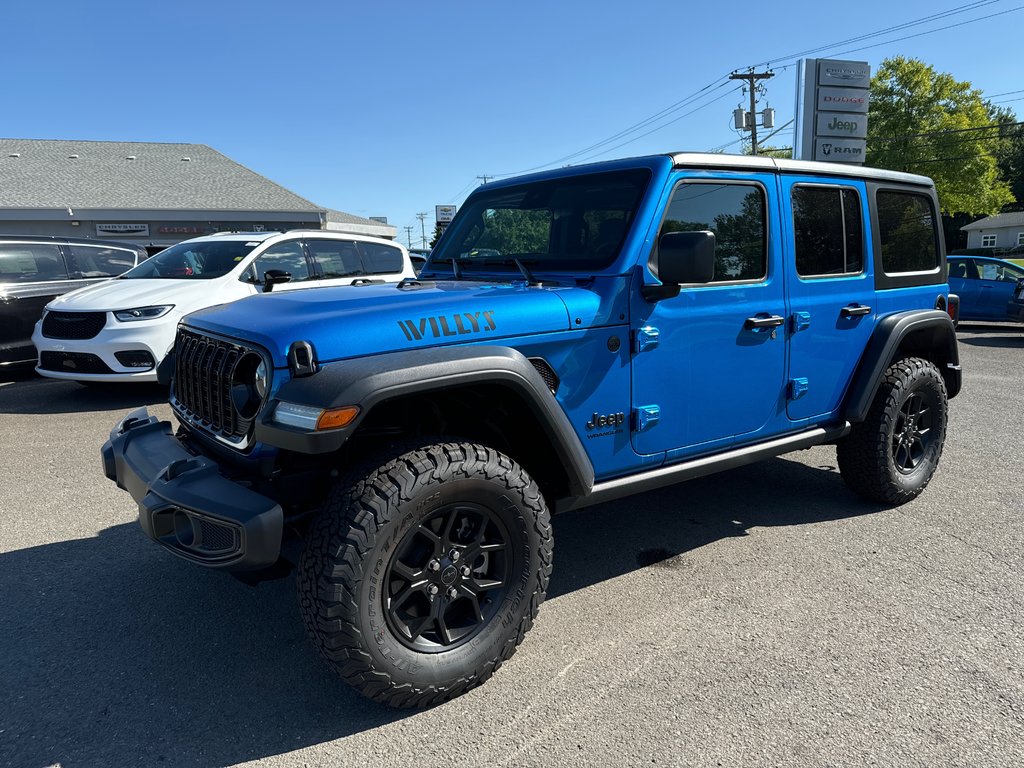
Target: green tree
column 438, row 230
column 1009, row 151
column 927, row 122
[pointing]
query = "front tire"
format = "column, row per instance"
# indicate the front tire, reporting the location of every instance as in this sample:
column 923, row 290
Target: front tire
column 423, row 572
column 891, row 456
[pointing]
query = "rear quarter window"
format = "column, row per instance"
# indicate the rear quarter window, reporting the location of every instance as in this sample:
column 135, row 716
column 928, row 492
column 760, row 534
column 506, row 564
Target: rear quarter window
column 908, row 232
column 31, row 263
column 97, row 261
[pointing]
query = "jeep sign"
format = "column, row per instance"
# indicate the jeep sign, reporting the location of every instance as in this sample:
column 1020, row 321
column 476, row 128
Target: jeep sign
column 841, row 124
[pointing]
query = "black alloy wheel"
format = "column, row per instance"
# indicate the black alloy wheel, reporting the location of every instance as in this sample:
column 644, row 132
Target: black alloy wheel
column 447, row 578
column 912, row 434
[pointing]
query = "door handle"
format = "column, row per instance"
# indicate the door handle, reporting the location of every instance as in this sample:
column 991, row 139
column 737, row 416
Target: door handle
column 854, row 311
column 759, row 323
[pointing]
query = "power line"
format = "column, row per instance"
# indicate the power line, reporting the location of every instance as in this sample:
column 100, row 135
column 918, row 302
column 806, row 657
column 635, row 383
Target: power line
column 994, row 127
column 888, row 30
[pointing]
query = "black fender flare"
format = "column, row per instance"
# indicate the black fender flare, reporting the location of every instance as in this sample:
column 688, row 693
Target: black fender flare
column 366, row 382
column 929, row 329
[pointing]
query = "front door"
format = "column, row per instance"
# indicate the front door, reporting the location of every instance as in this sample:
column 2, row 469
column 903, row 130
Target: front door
column 831, row 290
column 709, row 364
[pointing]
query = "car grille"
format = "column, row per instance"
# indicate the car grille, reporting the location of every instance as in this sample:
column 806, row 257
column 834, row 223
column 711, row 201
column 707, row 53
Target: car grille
column 72, row 362
column 73, row 325
column 202, row 384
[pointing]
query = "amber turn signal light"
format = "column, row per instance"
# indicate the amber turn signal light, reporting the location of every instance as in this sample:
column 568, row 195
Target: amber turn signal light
column 333, row 418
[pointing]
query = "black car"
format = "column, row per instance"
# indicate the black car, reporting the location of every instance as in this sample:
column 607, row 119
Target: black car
column 36, row 269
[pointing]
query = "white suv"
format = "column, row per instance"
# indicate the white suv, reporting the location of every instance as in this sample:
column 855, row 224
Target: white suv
column 122, row 329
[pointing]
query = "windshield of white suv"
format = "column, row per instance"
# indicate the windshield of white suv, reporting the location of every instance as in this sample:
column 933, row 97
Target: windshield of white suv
column 578, row 223
column 201, row 260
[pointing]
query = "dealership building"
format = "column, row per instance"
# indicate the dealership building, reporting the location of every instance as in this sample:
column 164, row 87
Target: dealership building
column 151, row 194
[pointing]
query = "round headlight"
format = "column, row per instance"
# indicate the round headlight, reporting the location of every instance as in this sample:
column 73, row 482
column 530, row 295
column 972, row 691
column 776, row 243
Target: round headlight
column 261, row 379
column 245, row 395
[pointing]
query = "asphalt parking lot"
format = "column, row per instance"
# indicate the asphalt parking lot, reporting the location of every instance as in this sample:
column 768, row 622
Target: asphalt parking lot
column 761, row 617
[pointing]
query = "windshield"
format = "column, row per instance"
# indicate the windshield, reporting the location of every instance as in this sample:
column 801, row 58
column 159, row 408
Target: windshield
column 577, row 223
column 201, row 260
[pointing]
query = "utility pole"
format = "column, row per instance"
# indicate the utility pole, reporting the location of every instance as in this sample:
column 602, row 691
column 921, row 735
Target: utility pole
column 423, row 231
column 485, row 178
column 408, row 233
column 752, row 77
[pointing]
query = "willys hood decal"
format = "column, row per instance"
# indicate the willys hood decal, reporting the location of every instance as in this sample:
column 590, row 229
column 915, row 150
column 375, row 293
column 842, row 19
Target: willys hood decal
column 347, row 322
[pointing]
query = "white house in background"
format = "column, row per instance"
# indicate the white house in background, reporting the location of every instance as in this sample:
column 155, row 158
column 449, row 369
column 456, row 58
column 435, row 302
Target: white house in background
column 1004, row 230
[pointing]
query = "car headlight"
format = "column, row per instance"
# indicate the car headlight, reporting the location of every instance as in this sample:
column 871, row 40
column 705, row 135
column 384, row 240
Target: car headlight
column 261, row 379
column 142, row 313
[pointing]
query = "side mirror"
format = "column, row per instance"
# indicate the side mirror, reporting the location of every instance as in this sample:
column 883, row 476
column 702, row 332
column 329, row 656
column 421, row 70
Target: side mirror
column 274, row 277
column 683, row 257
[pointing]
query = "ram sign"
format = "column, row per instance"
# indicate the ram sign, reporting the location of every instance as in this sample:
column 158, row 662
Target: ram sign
column 832, row 110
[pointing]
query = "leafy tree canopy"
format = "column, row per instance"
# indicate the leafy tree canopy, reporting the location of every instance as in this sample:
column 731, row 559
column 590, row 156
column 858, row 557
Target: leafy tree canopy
column 927, row 122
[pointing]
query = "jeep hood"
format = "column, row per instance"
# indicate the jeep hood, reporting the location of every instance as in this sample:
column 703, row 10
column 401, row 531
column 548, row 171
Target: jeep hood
column 345, row 322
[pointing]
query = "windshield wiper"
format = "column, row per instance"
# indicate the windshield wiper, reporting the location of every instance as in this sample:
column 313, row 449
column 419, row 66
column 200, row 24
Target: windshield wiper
column 505, row 262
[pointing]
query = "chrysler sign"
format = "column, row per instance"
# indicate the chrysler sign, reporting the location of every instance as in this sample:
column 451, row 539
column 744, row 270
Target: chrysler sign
column 123, row 230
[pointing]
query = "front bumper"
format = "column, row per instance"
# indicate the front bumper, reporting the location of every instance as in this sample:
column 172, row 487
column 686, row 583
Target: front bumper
column 153, row 336
column 185, row 504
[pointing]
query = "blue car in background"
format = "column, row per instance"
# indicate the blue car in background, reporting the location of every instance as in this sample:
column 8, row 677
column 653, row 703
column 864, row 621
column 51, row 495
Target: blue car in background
column 985, row 286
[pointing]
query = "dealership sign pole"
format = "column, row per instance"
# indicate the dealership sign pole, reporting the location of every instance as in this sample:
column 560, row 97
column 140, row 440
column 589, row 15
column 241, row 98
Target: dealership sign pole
column 832, row 110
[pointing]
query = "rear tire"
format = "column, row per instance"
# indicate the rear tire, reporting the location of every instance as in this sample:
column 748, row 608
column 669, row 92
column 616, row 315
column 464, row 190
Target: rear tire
column 423, row 572
column 891, row 456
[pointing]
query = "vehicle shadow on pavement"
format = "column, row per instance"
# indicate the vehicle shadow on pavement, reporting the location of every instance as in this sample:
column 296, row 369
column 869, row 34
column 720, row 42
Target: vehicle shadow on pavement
column 120, row 654
column 1005, row 341
column 602, row 542
column 37, row 395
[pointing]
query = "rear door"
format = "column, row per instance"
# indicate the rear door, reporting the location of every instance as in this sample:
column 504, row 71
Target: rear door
column 963, row 281
column 710, row 362
column 31, row 275
column 831, row 290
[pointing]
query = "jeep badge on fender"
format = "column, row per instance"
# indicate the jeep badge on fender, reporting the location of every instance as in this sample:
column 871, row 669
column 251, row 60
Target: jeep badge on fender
column 404, row 459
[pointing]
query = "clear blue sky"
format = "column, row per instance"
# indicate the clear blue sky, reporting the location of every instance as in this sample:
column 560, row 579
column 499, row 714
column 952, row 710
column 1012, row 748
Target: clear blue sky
column 390, row 108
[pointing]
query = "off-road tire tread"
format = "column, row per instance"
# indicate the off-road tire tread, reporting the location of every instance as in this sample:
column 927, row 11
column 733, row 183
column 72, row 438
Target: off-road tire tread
column 864, row 455
column 332, row 565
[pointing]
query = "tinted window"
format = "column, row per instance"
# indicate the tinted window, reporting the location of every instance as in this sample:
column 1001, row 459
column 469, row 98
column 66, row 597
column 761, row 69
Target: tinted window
column 827, row 233
column 907, row 231
column 286, row 257
column 380, row 259
column 31, row 262
column 99, row 261
column 576, row 223
column 736, row 214
column 191, row 260
column 337, row 258
column 963, row 268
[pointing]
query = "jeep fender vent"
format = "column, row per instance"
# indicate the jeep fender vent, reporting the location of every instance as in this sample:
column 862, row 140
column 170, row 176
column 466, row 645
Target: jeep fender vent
column 546, row 373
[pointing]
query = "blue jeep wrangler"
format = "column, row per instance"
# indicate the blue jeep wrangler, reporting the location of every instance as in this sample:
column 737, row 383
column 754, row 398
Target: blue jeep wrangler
column 576, row 336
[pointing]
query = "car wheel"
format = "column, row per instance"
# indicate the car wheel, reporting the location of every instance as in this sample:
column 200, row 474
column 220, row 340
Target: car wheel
column 891, row 456
column 423, row 572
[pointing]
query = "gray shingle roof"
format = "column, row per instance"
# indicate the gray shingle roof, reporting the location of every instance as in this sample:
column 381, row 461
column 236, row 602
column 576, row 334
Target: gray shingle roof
column 1015, row 219
column 347, row 218
column 45, row 175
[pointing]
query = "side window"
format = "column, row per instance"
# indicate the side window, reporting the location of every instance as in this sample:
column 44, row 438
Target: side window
column 380, row 259
column 735, row 212
column 97, row 261
column 827, row 231
column 1005, row 273
column 907, row 231
column 287, row 257
column 337, row 258
column 31, row 263
column 963, row 268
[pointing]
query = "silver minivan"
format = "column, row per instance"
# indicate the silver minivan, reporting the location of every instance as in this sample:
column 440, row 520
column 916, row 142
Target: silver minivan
column 36, row 269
